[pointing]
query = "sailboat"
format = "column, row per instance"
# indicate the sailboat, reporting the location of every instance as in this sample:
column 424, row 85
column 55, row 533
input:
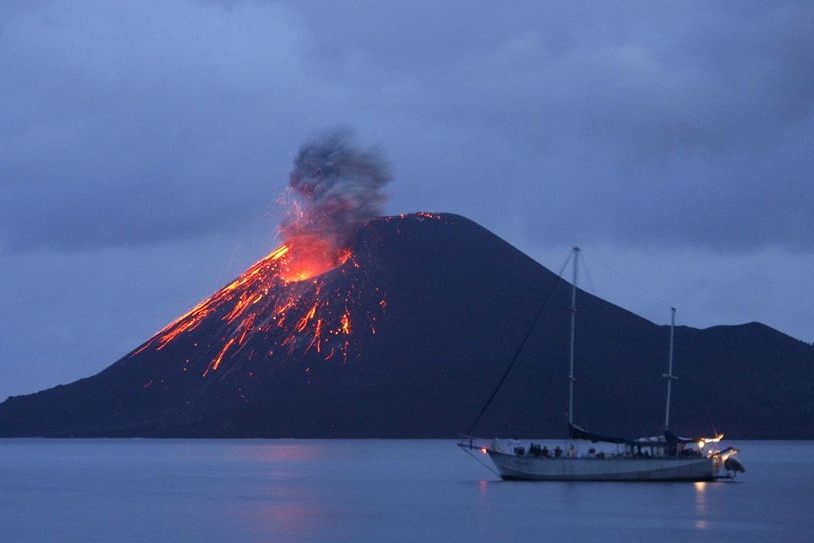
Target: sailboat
column 659, row 458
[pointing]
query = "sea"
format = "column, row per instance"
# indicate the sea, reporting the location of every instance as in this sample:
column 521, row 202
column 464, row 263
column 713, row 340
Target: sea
column 374, row 491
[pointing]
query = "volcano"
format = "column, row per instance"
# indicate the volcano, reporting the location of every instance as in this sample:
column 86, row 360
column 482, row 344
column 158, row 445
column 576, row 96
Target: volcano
column 407, row 334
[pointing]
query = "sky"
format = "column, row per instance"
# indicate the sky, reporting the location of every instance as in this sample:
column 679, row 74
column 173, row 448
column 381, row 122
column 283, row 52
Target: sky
column 145, row 146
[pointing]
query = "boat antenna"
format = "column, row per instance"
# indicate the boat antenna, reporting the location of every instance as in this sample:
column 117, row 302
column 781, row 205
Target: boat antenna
column 669, row 375
column 571, row 378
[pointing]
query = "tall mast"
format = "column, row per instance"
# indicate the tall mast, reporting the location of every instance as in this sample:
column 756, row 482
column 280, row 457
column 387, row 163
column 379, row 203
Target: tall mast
column 669, row 375
column 571, row 378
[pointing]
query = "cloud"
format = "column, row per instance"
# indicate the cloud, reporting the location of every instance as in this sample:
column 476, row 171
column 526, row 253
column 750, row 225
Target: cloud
column 682, row 127
column 147, row 121
column 143, row 122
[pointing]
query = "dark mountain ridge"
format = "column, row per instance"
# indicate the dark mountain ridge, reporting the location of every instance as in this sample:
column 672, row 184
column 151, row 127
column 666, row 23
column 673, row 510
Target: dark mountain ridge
column 408, row 338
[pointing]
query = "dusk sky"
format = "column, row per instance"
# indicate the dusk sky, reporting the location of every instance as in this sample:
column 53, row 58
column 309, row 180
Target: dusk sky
column 145, row 146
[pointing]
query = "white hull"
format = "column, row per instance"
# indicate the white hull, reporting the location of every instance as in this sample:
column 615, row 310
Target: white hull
column 537, row 468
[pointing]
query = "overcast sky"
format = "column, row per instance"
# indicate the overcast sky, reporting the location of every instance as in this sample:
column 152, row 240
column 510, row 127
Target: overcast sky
column 144, row 145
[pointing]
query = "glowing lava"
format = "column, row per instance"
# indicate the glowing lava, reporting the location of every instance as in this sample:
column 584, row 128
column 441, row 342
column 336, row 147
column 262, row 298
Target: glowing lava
column 291, row 299
column 306, row 258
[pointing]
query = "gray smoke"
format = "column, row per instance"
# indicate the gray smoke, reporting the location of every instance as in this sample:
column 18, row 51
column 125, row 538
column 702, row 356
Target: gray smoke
column 338, row 188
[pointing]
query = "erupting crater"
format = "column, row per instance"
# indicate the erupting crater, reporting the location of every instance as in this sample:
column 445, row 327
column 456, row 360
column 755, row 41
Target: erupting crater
column 286, row 301
column 304, row 259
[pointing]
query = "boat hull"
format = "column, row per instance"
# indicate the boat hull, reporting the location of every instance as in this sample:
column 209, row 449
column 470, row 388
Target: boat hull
column 532, row 468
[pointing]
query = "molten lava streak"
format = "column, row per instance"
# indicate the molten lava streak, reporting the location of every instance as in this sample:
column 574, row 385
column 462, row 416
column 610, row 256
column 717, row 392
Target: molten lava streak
column 290, row 298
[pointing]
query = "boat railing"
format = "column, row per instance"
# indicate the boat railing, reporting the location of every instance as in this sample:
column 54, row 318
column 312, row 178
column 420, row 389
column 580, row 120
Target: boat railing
column 639, row 449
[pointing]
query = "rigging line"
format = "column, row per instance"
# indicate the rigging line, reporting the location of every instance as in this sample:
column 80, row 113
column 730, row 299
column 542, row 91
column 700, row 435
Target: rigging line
column 605, row 262
column 520, row 348
column 588, row 278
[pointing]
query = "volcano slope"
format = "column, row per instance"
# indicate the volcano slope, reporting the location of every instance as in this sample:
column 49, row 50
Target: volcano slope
column 408, row 337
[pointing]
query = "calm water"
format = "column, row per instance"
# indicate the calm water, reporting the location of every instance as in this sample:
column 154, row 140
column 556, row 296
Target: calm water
column 371, row 490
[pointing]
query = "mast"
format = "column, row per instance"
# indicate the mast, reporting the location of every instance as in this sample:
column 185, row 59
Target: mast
column 669, row 375
column 571, row 378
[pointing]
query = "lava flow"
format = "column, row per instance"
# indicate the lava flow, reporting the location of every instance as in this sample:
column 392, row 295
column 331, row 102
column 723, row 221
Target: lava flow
column 299, row 299
column 282, row 298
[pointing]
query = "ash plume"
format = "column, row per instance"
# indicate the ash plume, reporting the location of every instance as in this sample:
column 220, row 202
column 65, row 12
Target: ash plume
column 337, row 189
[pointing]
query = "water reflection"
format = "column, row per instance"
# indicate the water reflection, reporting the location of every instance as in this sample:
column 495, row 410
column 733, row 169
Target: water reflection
column 371, row 491
column 282, row 488
column 701, row 505
column 483, row 487
column 279, row 452
column 293, row 519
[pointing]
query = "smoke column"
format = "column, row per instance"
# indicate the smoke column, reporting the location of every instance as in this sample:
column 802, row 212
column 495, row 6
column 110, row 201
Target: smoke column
column 337, row 188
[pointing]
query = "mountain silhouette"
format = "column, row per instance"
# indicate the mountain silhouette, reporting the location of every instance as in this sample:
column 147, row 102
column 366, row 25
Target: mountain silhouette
column 407, row 337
